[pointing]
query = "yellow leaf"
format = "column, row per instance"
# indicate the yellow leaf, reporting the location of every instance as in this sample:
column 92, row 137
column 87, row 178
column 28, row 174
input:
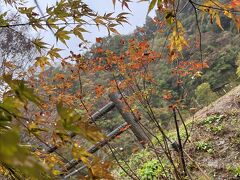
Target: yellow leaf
column 41, row 62
column 9, row 64
column 71, row 121
column 101, row 170
column 54, row 53
column 99, row 21
column 79, row 152
column 218, row 22
column 77, row 31
column 228, row 14
column 114, row 30
column 62, row 35
column 22, row 92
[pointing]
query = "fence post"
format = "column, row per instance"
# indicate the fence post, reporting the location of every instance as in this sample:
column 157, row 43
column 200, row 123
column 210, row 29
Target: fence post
column 129, row 118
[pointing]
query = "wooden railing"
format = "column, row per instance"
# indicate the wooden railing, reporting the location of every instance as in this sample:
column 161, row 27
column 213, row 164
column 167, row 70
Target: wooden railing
column 131, row 121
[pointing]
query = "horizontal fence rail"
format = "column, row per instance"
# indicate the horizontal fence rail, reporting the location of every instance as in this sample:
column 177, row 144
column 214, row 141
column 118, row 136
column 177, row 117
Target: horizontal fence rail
column 116, row 132
column 97, row 115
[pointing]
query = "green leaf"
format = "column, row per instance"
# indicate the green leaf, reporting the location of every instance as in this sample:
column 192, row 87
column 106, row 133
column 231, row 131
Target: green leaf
column 159, row 3
column 5, row 119
column 29, row 94
column 22, row 92
column 71, row 121
column 18, row 157
column 26, row 10
column 238, row 72
column 170, row 17
column 98, row 20
column 33, row 128
column 3, row 21
column 12, row 105
column 151, row 6
column 39, row 44
column 62, row 35
column 69, row 118
column 77, row 31
column 52, row 23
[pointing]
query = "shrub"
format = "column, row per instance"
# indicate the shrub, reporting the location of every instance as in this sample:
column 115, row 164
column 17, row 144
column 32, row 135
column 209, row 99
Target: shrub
column 204, row 146
column 152, row 170
column 213, row 119
column 234, row 170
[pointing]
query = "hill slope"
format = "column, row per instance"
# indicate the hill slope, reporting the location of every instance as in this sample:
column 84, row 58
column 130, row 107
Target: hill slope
column 212, row 151
column 215, row 138
column 228, row 102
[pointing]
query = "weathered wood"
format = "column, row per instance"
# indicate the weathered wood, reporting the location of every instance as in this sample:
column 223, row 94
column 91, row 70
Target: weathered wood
column 54, row 148
column 105, row 109
column 116, row 132
column 97, row 115
column 75, row 172
column 129, row 118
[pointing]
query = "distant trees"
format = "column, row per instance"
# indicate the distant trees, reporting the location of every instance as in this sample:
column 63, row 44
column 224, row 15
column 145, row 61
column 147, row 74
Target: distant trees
column 17, row 51
column 204, row 94
column 15, row 48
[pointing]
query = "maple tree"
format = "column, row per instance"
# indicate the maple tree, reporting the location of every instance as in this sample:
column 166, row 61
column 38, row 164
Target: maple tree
column 52, row 106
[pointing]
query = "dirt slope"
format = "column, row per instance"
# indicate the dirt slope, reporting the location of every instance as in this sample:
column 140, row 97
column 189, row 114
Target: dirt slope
column 215, row 139
column 230, row 101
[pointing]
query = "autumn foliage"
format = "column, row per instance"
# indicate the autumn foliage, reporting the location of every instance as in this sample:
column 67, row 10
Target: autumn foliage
column 53, row 106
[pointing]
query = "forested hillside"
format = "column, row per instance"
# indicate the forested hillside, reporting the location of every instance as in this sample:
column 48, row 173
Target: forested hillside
column 220, row 52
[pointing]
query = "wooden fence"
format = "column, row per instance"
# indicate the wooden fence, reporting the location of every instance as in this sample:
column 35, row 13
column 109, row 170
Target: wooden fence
column 130, row 122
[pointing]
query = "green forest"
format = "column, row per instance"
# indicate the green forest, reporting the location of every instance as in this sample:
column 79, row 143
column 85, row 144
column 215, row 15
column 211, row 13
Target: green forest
column 161, row 102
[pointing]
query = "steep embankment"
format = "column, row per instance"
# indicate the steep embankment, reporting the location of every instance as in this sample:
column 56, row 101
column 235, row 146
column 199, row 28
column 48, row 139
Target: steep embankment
column 215, row 139
column 226, row 103
column 213, row 149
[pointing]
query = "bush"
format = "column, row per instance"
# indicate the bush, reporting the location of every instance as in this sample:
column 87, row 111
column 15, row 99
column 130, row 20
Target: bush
column 147, row 167
column 234, row 170
column 151, row 170
column 204, row 146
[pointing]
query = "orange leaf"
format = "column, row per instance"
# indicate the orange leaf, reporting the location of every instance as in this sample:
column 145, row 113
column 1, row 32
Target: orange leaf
column 125, row 128
column 99, row 90
column 235, row 3
column 99, row 40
